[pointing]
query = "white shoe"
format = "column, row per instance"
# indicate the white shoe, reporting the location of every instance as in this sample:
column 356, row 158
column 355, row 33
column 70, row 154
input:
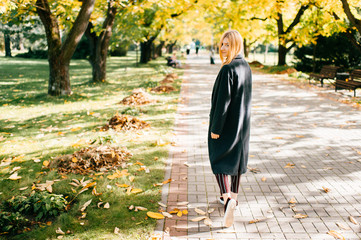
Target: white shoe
column 229, row 213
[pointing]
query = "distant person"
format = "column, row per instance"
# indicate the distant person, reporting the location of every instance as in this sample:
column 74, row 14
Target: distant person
column 188, row 49
column 211, row 55
column 198, row 44
column 229, row 123
column 174, row 59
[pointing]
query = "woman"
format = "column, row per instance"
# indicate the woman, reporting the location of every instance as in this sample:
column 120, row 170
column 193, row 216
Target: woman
column 229, row 125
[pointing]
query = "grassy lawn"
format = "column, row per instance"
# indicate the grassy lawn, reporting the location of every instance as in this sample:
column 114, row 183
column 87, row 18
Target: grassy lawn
column 35, row 126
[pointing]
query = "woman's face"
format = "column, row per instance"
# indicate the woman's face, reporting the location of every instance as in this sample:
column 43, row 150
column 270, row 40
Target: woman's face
column 225, row 47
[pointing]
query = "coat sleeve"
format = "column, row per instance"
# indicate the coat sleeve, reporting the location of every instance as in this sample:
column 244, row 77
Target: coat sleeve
column 222, row 100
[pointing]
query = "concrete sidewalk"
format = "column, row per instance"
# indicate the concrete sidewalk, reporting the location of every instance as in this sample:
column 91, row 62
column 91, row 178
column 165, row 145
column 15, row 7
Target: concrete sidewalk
column 300, row 144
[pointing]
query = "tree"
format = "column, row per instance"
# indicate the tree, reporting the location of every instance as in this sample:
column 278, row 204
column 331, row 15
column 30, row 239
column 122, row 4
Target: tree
column 60, row 52
column 354, row 22
column 99, row 37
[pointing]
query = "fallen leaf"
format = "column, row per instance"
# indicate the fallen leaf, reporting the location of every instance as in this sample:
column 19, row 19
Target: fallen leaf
column 116, row 230
column 175, row 210
column 185, row 212
column 335, row 234
column 131, row 207
column 208, row 221
column 162, row 204
column 342, row 226
column 23, row 188
column 74, row 160
column 292, row 201
column 82, row 209
column 353, row 220
column 166, row 214
column 167, row 181
column 99, row 204
column 325, row 189
column 122, row 185
column 258, row 220
column 139, row 208
column 182, row 203
column 155, row 215
column 37, row 160
column 300, row 215
column 211, row 210
column 264, row 179
column 46, row 163
column 199, row 211
column 106, row 205
column 14, row 176
column 197, row 219
column 303, row 166
column 179, row 213
column 131, row 178
column 290, row 165
column 278, row 138
column 136, row 190
column 59, row 231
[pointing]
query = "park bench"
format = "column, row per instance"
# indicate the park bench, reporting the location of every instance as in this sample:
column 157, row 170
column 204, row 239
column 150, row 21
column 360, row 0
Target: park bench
column 352, row 84
column 327, row 72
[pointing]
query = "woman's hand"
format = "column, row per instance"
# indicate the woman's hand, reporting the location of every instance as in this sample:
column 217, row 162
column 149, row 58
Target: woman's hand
column 214, row 136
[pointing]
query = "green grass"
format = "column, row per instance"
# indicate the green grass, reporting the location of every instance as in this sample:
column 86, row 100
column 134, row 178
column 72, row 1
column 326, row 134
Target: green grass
column 26, row 111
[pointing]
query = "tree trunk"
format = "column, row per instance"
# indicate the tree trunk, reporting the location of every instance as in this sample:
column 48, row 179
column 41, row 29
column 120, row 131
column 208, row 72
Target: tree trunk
column 314, row 57
column 99, row 45
column 59, row 54
column 282, row 53
column 7, row 45
column 245, row 48
column 158, row 49
column 59, row 83
column 153, row 51
column 146, row 50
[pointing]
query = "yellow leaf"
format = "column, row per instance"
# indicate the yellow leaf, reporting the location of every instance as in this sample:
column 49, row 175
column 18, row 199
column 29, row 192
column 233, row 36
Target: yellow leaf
column 290, row 165
column 299, row 216
column 74, row 160
column 326, row 189
column 292, row 201
column 136, row 190
column 278, row 138
column 138, row 163
column 14, row 176
column 155, row 215
column 185, row 212
column 75, row 129
column 131, row 178
column 335, row 234
column 179, row 213
column 175, row 210
column 264, row 179
column 60, row 133
column 122, row 185
column 167, row 181
column 46, row 163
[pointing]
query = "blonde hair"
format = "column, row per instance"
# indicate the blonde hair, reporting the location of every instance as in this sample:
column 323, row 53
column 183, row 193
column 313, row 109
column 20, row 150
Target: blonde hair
column 235, row 46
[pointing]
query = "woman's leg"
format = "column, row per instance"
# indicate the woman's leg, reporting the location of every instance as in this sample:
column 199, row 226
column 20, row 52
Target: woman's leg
column 223, row 183
column 235, row 186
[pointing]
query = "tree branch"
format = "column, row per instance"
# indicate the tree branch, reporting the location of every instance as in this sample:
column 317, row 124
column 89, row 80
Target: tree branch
column 78, row 29
column 297, row 18
column 356, row 22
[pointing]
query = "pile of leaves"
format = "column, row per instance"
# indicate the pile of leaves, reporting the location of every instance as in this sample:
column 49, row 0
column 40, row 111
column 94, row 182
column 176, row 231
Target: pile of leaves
column 125, row 122
column 138, row 97
column 93, row 159
column 169, row 78
column 287, row 71
column 163, row 89
column 256, row 64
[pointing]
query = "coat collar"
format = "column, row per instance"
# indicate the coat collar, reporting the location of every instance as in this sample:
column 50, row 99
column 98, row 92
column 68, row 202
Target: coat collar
column 239, row 56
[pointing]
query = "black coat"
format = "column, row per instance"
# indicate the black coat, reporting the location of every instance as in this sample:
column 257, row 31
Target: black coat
column 230, row 118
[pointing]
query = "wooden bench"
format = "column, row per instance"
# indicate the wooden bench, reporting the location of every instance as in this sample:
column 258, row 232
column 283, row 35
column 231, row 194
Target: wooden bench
column 352, row 84
column 327, row 72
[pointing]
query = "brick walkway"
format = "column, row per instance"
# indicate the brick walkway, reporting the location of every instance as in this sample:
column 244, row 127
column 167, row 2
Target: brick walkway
column 290, row 125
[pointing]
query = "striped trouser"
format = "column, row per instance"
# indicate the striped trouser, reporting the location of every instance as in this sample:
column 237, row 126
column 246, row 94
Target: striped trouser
column 223, row 183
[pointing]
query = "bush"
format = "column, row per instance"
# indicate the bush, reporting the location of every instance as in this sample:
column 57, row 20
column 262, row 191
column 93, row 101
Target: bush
column 37, row 54
column 334, row 50
column 41, row 205
column 12, row 222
